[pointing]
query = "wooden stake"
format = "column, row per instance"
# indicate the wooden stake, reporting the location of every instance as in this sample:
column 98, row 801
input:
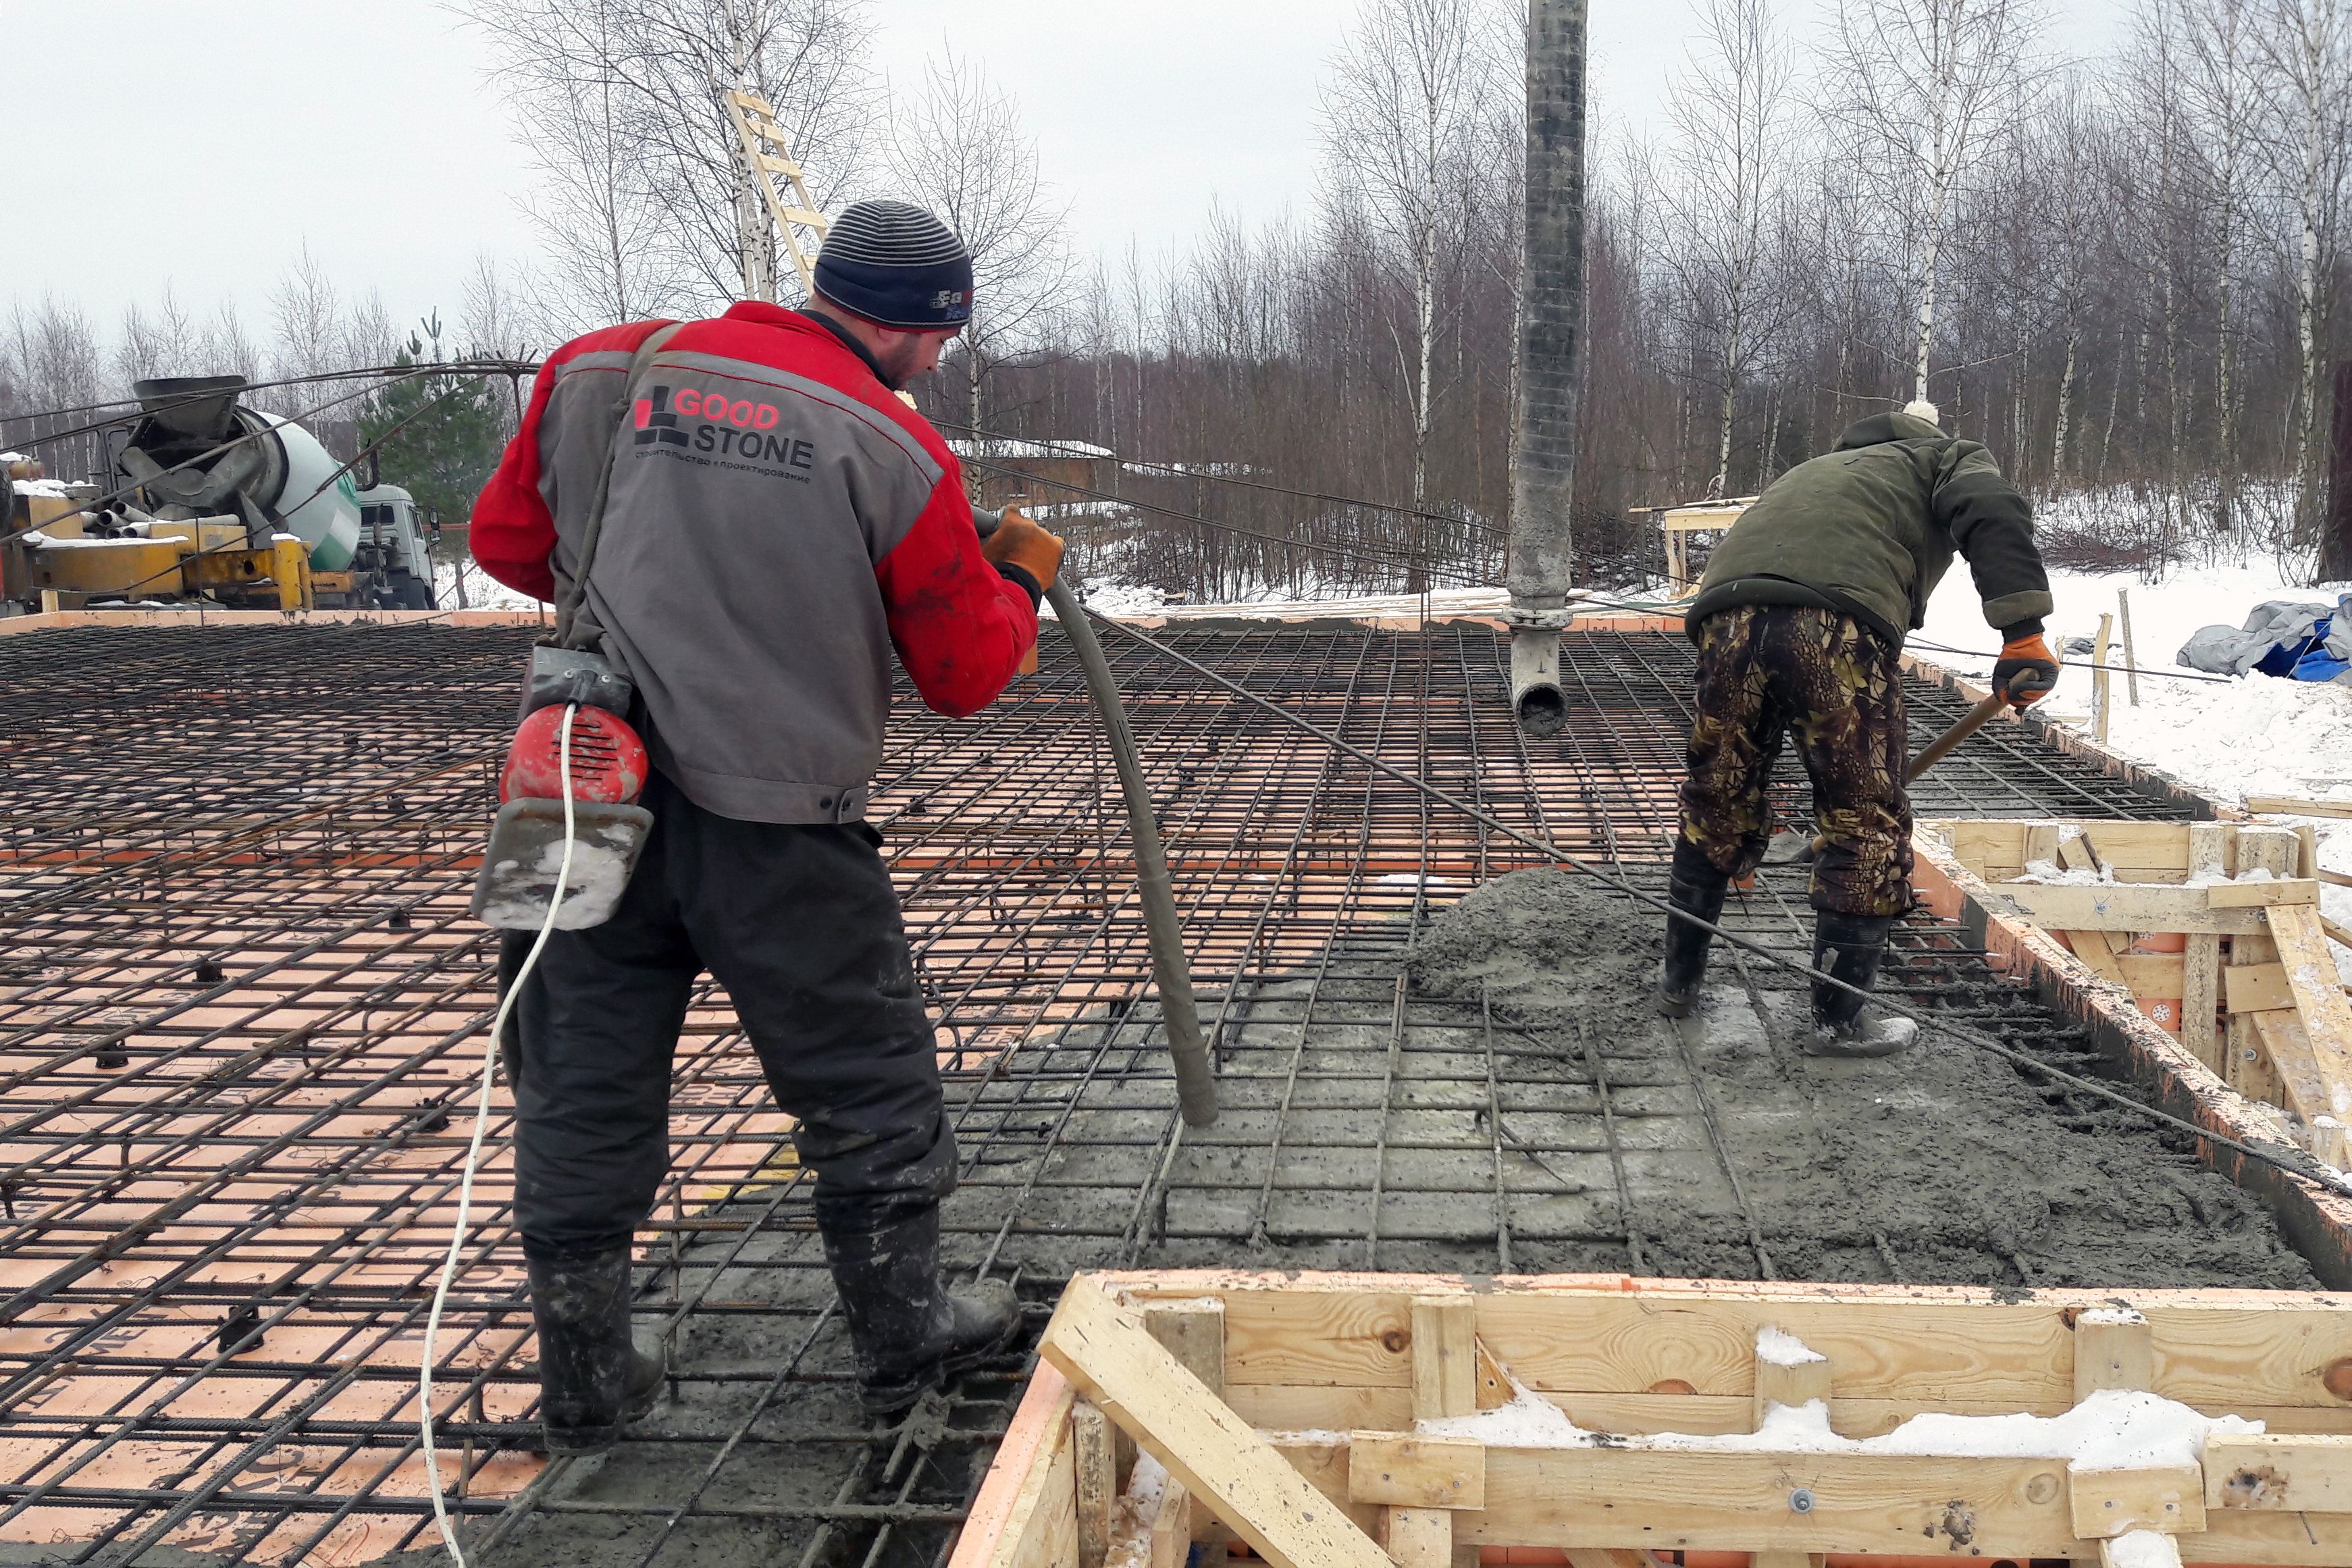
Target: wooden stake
column 1097, row 1480
column 2200, row 980
column 2100, row 694
column 2113, row 1350
column 2131, row 665
column 2247, row 1067
column 1445, row 1357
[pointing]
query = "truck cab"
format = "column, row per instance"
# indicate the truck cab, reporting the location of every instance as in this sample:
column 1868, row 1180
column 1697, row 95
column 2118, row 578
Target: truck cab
column 393, row 567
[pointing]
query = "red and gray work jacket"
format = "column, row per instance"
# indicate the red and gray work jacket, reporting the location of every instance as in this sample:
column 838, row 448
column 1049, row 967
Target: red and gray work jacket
column 778, row 522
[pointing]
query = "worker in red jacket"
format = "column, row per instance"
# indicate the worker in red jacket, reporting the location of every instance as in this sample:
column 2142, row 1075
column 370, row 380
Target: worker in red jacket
column 779, row 523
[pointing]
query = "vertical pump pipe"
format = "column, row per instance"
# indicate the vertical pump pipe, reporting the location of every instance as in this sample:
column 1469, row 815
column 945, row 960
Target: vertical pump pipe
column 1552, row 342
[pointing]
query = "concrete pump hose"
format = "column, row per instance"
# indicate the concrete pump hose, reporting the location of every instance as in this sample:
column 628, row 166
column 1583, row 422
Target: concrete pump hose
column 1196, row 1084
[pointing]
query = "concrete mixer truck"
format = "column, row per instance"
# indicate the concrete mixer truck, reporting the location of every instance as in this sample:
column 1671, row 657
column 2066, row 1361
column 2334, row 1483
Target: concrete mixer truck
column 226, row 503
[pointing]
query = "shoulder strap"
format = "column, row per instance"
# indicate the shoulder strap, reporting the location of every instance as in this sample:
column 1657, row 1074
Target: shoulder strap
column 567, row 611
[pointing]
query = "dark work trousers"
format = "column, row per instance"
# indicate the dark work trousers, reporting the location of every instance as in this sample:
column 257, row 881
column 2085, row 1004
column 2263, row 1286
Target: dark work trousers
column 1766, row 670
column 801, row 925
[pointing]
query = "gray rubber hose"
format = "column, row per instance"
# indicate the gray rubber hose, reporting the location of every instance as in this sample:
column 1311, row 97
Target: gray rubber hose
column 1196, row 1083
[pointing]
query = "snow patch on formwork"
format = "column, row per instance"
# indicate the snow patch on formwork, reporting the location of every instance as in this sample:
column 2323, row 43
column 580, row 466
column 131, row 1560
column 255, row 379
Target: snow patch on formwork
column 1779, row 1348
column 2113, row 1429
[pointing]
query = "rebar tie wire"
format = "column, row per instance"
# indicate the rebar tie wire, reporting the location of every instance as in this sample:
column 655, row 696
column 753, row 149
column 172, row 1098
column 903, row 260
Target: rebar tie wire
column 2292, row 1161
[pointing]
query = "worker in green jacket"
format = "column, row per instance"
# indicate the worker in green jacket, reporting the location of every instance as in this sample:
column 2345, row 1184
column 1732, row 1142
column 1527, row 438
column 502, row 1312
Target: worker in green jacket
column 1799, row 624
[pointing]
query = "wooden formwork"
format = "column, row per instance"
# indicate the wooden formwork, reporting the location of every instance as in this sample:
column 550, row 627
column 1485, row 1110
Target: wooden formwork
column 1320, row 1421
column 2213, row 928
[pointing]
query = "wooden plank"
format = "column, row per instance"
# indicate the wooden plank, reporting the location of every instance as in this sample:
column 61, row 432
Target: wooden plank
column 1402, row 1470
column 2113, row 1349
column 1172, row 1529
column 2278, row 1470
column 2295, row 1079
column 2152, row 974
column 1789, row 1560
column 2290, row 805
column 1421, row 1537
column 1667, row 1500
column 2095, row 951
column 2262, row 895
column 2143, row 846
column 2259, row 987
column 2320, row 997
column 2247, row 1064
column 2039, row 842
column 2121, row 906
column 1018, row 1515
column 1106, row 1352
column 1445, row 1357
column 1948, row 1347
column 1356, row 1338
column 1194, row 1331
column 1616, row 1500
column 1094, row 1460
column 2104, row 1504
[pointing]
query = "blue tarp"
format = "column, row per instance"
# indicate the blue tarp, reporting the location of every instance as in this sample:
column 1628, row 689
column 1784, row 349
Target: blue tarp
column 2292, row 641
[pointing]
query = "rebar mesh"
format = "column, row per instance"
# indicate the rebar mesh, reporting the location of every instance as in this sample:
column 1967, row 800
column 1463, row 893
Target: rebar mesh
column 243, row 1005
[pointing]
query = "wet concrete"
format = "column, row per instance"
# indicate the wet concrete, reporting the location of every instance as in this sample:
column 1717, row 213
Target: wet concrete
column 1944, row 1164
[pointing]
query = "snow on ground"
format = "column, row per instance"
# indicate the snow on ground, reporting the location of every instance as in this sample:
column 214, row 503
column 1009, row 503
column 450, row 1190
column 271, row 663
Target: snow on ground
column 2254, row 735
column 2227, row 739
column 483, row 592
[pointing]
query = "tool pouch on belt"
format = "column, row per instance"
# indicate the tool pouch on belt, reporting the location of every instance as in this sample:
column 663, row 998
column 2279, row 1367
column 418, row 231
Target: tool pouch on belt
column 570, row 681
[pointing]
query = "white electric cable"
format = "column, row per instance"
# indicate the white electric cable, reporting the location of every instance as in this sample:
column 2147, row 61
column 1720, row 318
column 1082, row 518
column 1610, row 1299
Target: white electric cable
column 474, row 1153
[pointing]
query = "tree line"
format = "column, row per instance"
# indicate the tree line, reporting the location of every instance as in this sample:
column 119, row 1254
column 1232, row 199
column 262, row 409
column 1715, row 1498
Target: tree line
column 2123, row 274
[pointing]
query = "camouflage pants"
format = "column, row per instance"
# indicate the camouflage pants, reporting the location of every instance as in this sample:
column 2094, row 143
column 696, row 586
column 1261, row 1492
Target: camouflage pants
column 1764, row 669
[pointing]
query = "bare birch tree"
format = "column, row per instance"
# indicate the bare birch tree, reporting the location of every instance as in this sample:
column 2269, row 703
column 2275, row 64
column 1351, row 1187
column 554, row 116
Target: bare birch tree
column 956, row 147
column 2217, row 101
column 648, row 199
column 1402, row 115
column 1730, row 107
column 2305, row 45
column 1925, row 89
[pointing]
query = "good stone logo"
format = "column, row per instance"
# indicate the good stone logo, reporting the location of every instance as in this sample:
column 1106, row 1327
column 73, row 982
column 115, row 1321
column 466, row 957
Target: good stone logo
column 742, row 428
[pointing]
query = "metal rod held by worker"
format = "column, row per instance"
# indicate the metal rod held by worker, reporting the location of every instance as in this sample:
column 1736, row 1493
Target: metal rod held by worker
column 1937, row 749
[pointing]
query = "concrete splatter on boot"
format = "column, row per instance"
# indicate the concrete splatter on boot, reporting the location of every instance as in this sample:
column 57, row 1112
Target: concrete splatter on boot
column 592, row 1379
column 1849, row 947
column 908, row 1331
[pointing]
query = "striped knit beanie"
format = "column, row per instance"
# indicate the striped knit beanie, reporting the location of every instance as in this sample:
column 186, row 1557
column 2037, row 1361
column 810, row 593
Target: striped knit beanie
column 894, row 264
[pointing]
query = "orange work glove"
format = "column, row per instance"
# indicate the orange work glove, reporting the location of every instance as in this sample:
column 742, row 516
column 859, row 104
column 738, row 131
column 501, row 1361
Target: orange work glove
column 2025, row 673
column 1018, row 541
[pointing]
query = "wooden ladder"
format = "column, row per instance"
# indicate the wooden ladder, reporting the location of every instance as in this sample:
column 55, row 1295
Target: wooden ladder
column 771, row 158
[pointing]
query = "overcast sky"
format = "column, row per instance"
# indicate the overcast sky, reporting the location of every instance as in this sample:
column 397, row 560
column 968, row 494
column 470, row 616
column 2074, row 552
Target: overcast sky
column 205, row 143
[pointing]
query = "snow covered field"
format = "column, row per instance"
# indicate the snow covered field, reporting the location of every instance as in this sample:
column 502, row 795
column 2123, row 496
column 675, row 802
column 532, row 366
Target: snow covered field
column 2256, row 736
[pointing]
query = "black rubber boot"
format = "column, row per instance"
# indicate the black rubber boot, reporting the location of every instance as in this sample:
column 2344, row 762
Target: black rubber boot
column 1849, row 947
column 593, row 1380
column 1698, row 889
column 909, row 1333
